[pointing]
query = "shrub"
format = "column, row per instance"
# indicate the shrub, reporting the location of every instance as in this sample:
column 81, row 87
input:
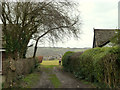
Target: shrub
column 101, row 65
column 74, row 61
column 86, row 68
column 70, row 61
column 66, row 61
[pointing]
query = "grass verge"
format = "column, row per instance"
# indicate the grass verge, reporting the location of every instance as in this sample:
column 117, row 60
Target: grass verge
column 30, row 80
column 55, row 81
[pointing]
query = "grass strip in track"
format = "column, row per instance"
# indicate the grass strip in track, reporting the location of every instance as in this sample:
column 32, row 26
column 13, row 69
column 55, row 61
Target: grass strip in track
column 55, row 81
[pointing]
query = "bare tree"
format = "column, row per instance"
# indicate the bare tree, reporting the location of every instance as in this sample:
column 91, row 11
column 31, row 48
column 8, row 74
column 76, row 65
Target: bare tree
column 22, row 21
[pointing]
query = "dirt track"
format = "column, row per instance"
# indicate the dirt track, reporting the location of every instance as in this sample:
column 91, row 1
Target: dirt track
column 67, row 80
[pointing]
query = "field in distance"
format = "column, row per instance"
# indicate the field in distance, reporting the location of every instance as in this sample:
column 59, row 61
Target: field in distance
column 49, row 52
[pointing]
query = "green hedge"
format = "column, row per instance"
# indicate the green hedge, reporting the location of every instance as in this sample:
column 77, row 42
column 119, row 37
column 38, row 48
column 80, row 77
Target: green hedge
column 101, row 65
column 66, row 61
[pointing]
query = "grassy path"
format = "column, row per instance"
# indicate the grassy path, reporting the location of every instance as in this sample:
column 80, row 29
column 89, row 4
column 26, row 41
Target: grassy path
column 47, row 79
column 51, row 75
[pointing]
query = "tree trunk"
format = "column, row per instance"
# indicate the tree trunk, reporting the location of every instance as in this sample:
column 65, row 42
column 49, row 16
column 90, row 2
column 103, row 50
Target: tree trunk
column 24, row 54
column 35, row 49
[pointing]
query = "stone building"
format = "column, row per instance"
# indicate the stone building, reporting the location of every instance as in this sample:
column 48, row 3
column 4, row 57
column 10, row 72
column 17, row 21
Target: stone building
column 102, row 37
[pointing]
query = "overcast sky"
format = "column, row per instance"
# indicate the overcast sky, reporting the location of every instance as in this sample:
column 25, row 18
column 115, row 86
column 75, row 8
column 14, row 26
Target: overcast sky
column 102, row 14
column 94, row 14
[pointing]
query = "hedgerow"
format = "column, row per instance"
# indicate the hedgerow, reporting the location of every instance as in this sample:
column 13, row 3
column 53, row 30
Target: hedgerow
column 66, row 61
column 99, row 65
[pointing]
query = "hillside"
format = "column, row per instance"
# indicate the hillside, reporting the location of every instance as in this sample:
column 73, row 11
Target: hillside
column 52, row 52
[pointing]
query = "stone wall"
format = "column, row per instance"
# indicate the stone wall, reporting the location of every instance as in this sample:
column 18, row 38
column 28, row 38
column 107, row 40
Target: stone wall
column 14, row 70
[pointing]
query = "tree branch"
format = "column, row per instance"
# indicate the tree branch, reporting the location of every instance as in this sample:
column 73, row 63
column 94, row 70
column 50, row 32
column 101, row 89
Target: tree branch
column 35, row 50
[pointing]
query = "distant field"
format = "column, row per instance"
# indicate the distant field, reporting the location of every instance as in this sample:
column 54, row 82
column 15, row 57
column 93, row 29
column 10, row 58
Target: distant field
column 48, row 51
column 52, row 62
